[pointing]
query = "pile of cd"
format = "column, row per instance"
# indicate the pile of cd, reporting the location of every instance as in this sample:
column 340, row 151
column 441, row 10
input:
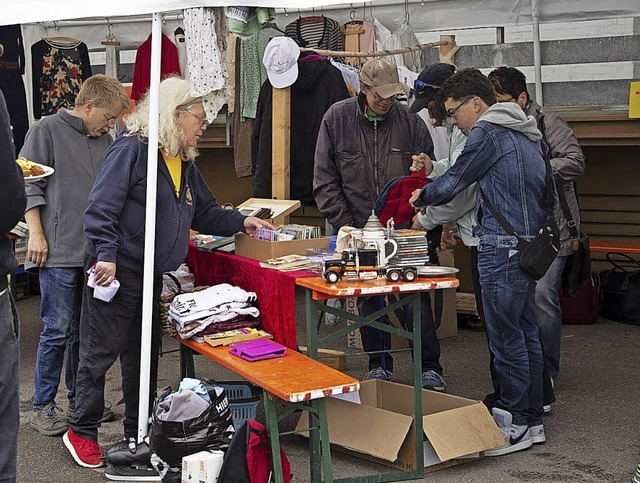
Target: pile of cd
column 413, row 249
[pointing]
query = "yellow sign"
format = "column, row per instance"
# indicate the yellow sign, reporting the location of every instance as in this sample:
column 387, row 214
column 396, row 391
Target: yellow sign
column 634, row 101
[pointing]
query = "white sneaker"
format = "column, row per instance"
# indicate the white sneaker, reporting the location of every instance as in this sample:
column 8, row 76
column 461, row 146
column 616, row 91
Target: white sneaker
column 537, row 434
column 516, row 437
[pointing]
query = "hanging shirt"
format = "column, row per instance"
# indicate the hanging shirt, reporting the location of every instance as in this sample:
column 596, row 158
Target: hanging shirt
column 174, row 165
column 169, row 64
column 205, row 29
column 59, row 68
column 316, row 33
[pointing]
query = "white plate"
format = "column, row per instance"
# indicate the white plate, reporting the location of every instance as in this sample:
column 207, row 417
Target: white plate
column 436, row 271
column 48, row 171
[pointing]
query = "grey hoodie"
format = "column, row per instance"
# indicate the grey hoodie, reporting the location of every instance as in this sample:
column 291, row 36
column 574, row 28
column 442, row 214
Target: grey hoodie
column 510, row 115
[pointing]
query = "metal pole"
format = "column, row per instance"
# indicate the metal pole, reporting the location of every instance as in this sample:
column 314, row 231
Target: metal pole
column 150, row 228
column 537, row 60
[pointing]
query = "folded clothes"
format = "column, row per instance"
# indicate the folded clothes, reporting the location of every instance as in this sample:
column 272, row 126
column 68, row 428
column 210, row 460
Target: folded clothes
column 183, row 320
column 190, row 303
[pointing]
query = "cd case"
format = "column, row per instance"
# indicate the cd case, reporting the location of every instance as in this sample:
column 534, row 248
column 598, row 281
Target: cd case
column 257, row 350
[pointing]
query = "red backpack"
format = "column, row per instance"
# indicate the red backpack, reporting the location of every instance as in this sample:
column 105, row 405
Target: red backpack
column 248, row 459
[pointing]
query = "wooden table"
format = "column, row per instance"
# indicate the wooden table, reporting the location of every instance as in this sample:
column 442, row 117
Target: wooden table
column 294, row 381
column 317, row 290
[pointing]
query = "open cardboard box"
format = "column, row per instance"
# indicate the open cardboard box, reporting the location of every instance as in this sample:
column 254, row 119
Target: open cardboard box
column 262, row 250
column 381, row 428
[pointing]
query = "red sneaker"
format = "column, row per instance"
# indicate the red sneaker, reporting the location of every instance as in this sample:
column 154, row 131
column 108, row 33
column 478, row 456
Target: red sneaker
column 87, row 453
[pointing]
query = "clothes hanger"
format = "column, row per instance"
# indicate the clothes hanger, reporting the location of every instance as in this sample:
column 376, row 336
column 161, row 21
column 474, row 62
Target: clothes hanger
column 179, row 31
column 61, row 38
column 111, row 39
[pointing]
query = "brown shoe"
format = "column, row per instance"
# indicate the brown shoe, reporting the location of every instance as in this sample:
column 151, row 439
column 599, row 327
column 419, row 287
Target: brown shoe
column 47, row 422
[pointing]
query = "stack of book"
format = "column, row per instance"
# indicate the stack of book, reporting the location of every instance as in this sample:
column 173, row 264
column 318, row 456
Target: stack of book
column 413, row 249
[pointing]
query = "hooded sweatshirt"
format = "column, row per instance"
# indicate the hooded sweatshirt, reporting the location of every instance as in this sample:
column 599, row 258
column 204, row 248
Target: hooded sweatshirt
column 318, row 86
column 503, row 155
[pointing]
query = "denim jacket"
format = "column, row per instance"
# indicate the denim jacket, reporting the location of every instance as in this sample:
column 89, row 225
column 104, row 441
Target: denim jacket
column 509, row 169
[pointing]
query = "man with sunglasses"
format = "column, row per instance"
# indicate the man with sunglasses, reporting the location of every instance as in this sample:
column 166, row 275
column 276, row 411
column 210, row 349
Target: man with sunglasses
column 74, row 143
column 363, row 143
column 461, row 208
column 567, row 161
column 503, row 155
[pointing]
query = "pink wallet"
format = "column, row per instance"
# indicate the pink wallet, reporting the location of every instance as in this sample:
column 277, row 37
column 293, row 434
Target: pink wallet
column 257, row 350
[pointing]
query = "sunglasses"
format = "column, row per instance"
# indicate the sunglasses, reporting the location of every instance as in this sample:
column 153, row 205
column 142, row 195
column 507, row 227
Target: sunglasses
column 419, row 87
column 452, row 112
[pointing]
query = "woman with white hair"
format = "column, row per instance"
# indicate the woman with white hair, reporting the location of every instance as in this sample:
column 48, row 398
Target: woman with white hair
column 114, row 226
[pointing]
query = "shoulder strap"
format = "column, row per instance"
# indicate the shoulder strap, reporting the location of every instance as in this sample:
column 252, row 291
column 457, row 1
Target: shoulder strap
column 548, row 198
column 571, row 222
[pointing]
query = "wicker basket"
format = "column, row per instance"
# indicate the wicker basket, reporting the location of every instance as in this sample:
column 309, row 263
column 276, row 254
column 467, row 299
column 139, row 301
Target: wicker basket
column 169, row 327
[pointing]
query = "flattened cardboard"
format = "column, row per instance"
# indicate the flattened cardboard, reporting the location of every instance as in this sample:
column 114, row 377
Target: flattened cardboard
column 457, row 428
column 262, row 250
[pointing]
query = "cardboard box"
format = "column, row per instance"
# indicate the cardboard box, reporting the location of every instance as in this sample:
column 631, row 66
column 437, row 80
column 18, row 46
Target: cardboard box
column 466, row 303
column 381, row 428
column 262, row 250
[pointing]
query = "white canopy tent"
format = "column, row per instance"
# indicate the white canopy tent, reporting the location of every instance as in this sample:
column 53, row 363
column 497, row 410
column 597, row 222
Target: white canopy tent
column 429, row 14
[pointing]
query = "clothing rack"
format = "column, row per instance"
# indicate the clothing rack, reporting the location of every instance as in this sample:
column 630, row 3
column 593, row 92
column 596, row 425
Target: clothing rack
column 379, row 53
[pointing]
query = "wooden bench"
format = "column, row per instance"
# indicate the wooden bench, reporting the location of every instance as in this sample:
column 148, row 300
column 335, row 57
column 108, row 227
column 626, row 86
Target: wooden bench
column 295, row 382
column 611, row 246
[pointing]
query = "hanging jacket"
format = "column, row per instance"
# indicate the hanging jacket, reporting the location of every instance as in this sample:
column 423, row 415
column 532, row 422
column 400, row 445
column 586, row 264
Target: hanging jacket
column 318, row 86
column 356, row 157
column 169, row 64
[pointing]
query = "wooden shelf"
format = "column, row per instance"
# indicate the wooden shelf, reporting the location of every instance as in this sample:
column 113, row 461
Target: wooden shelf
column 601, row 127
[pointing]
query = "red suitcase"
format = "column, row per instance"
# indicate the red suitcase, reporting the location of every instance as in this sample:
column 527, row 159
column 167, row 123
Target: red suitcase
column 584, row 307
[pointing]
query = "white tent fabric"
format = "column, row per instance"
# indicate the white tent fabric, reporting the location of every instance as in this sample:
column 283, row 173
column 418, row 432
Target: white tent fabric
column 428, row 15
column 29, row 11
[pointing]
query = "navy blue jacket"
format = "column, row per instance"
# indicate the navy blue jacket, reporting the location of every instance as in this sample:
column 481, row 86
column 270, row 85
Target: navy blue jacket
column 115, row 218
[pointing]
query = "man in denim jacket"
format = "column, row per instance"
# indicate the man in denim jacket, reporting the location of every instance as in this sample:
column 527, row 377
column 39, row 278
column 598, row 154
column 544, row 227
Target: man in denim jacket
column 504, row 156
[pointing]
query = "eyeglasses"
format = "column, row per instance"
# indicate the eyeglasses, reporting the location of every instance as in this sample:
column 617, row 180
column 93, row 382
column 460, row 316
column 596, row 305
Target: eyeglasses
column 111, row 121
column 419, row 87
column 203, row 121
column 452, row 112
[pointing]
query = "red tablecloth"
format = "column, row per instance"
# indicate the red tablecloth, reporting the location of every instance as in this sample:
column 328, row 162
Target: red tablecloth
column 275, row 290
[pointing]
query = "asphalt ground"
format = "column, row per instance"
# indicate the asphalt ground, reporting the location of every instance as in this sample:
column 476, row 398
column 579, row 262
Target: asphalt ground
column 593, row 431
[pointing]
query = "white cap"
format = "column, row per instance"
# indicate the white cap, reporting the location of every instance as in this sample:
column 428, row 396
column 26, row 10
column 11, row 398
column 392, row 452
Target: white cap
column 281, row 61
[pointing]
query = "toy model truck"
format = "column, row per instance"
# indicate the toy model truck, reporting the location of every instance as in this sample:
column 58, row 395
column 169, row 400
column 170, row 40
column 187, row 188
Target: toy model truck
column 364, row 264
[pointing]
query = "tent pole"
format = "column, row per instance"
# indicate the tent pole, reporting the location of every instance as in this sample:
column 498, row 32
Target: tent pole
column 150, row 228
column 537, row 58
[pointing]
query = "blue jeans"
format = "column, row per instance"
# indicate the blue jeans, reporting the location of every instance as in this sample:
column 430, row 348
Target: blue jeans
column 60, row 302
column 9, row 390
column 549, row 315
column 508, row 296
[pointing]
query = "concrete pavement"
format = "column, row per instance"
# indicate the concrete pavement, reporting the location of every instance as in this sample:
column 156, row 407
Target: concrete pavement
column 593, row 432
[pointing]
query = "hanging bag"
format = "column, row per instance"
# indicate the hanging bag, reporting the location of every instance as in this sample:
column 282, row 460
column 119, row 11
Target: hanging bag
column 537, row 255
column 578, row 266
column 621, row 290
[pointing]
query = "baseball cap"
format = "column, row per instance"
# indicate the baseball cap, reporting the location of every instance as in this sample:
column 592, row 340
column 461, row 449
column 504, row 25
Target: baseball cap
column 381, row 77
column 429, row 81
column 281, row 61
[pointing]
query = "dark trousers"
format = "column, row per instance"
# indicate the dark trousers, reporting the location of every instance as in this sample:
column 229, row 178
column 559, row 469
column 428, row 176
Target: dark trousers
column 9, row 385
column 377, row 340
column 109, row 330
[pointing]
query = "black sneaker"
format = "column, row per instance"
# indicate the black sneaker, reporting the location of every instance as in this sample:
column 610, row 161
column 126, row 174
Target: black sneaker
column 107, row 413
